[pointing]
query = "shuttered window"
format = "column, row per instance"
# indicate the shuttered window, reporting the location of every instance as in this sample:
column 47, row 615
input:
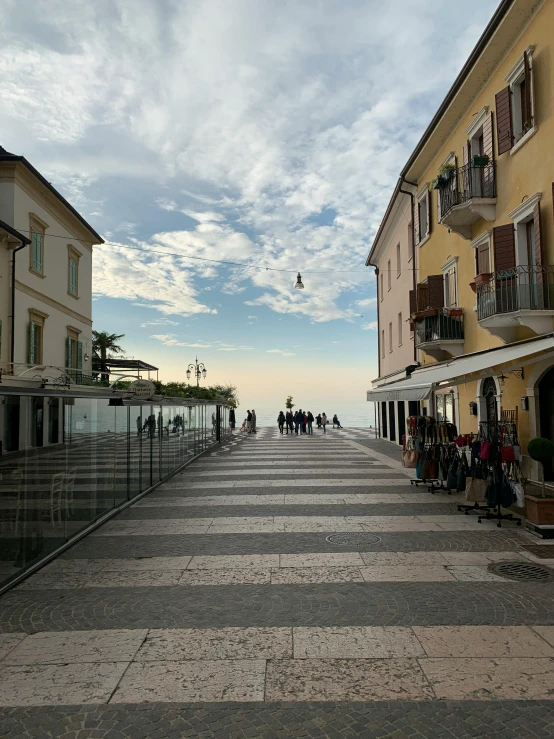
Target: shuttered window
column 413, row 302
column 34, row 345
column 482, row 257
column 400, row 329
column 515, row 114
column 450, row 288
column 504, row 132
column 504, row 247
column 390, row 337
column 73, row 276
column 382, row 342
column 398, row 261
column 37, row 251
column 381, row 285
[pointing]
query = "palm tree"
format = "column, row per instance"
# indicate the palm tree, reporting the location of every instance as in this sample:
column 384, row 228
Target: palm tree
column 103, row 347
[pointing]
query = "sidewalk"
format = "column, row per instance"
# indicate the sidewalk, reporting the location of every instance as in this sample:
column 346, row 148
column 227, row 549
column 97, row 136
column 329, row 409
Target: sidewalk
column 284, row 586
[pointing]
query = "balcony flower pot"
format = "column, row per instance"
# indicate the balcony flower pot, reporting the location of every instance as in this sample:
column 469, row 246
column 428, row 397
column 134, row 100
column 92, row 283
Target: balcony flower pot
column 428, row 312
column 447, row 172
column 473, row 286
column 440, row 183
column 455, row 311
column 483, row 278
column 480, row 161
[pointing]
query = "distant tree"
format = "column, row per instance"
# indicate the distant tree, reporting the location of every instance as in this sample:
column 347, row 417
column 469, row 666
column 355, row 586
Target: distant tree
column 289, row 404
column 104, row 345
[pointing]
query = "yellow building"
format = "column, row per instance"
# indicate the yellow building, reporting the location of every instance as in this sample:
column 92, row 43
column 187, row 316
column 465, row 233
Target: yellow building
column 481, row 181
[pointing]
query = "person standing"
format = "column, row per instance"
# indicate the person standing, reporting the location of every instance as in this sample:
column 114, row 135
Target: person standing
column 304, row 422
column 232, row 419
column 310, row 422
column 139, row 426
column 324, row 421
column 318, row 420
column 248, row 422
column 253, row 421
column 290, row 422
column 298, row 421
column 281, row 422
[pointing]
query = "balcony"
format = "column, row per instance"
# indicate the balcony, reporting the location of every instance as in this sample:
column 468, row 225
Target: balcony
column 467, row 194
column 440, row 332
column 521, row 296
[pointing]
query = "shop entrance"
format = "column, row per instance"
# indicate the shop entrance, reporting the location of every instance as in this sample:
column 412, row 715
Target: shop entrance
column 546, row 404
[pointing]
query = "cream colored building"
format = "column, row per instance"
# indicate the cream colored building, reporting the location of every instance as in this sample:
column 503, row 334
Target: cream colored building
column 49, row 330
column 394, row 258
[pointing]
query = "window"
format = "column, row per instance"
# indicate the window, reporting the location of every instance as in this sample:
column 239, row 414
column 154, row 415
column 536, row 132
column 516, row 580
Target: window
column 410, row 241
column 74, row 353
column 449, row 271
column 390, row 337
column 383, row 342
column 389, row 275
column 444, row 406
column 400, row 329
column 534, row 291
column 515, row 105
column 382, row 290
column 398, row 268
column 481, row 245
column 423, row 215
column 35, row 339
column 36, row 252
column 73, row 257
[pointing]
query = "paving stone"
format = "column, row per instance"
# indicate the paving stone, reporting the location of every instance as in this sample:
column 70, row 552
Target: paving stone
column 482, row 641
column 353, row 642
column 231, row 576
column 299, row 575
column 8, row 642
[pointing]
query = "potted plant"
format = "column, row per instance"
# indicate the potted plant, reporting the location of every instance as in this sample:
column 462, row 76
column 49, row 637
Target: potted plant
column 483, row 278
column 440, row 183
column 455, row 311
column 540, row 511
column 480, row 160
column 447, row 171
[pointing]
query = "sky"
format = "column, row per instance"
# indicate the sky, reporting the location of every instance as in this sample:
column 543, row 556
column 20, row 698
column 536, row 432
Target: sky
column 262, row 132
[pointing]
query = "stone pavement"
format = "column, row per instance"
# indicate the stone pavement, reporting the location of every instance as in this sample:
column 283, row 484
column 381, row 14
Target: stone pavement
column 283, row 587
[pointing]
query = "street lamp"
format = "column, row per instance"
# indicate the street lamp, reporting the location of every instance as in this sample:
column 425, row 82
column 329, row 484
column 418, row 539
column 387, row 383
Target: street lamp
column 299, row 285
column 198, row 368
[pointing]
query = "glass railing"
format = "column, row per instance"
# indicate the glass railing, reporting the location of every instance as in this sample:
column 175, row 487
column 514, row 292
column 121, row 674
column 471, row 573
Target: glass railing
column 66, row 462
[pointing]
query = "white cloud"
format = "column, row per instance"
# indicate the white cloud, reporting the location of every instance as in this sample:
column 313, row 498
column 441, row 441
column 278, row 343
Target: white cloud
column 281, row 352
column 159, row 322
column 366, row 302
column 369, row 326
column 219, row 346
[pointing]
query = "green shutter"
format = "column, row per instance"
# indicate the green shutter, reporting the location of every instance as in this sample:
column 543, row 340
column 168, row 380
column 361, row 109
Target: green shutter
column 79, row 378
column 73, row 276
column 68, row 352
column 36, row 252
column 31, row 354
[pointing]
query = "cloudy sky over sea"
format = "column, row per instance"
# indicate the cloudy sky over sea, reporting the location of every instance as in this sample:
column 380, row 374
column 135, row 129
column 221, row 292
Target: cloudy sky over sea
column 260, row 132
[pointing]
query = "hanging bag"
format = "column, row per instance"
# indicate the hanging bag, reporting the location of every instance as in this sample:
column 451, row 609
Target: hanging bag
column 452, row 477
column 476, row 490
column 485, row 450
column 462, row 473
column 507, row 454
column 409, row 455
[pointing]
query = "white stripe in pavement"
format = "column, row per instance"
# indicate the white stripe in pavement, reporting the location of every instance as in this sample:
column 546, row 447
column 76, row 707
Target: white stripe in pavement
column 220, row 484
column 384, row 458
column 279, row 463
column 288, row 471
column 299, row 499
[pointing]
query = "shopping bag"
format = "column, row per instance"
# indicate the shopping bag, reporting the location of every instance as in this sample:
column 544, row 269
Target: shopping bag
column 476, row 489
column 485, row 450
column 409, row 458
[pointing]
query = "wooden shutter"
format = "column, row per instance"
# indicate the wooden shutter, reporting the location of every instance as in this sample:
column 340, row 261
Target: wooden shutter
column 504, row 246
column 428, row 212
column 488, row 140
column 537, row 229
column 73, row 276
column 526, row 115
column 422, row 296
column 435, row 291
column 416, row 221
column 413, row 302
column 539, row 276
column 79, row 376
column 483, row 259
column 504, row 131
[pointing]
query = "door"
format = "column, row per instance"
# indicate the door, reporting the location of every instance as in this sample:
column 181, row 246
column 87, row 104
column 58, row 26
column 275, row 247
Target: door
column 546, row 404
column 54, row 421
column 37, row 422
column 392, row 421
column 489, row 393
column 401, row 420
column 11, row 423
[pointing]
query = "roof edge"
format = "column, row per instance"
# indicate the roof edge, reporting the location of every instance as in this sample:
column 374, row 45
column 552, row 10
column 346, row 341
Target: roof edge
column 6, row 226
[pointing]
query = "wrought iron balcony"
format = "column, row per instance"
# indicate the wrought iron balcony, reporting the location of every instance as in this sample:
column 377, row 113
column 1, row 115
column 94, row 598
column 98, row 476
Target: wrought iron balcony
column 440, row 332
column 467, row 194
column 521, row 296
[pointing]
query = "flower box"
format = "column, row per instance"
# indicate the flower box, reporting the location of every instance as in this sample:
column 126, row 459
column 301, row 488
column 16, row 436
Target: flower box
column 473, row 286
column 428, row 312
column 540, row 511
column 483, row 278
column 455, row 311
column 480, row 161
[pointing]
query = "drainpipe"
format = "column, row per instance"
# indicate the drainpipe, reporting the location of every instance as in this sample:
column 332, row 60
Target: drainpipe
column 12, row 337
column 412, row 208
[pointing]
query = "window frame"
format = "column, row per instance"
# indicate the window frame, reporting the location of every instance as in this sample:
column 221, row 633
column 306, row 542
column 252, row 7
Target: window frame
column 390, row 338
column 521, row 216
column 382, row 343
column 515, row 78
column 398, row 260
column 400, row 337
column 389, row 276
column 37, row 319
column 484, row 238
column 423, row 196
column 73, row 255
column 382, row 286
column 448, row 268
column 37, row 226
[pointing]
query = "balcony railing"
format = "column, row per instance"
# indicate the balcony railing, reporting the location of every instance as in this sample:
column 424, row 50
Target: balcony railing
column 520, row 288
column 442, row 326
column 465, row 184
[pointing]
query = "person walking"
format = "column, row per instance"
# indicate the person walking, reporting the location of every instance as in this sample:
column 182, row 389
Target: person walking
column 290, row 422
column 304, row 422
column 298, row 421
column 232, row 419
column 139, row 426
column 254, row 421
column 248, row 422
column 310, row 423
column 281, row 422
column 324, row 421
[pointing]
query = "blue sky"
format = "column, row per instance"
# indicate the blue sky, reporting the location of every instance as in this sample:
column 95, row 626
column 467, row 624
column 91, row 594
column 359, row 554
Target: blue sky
column 253, row 131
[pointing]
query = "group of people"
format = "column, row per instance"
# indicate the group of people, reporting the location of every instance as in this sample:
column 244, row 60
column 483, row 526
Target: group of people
column 249, row 423
column 302, row 422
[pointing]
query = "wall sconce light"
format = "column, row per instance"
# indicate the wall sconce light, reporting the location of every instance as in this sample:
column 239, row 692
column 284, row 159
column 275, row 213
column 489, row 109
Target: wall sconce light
column 86, row 357
column 525, row 404
column 473, row 408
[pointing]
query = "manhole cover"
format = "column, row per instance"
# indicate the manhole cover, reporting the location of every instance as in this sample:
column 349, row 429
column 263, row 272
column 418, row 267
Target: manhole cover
column 521, row 571
column 543, row 551
column 353, row 539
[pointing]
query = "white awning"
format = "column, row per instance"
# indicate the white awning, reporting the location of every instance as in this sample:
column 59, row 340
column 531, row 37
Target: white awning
column 423, row 380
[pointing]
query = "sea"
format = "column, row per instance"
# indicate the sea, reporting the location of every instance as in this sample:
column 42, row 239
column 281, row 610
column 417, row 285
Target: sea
column 358, row 415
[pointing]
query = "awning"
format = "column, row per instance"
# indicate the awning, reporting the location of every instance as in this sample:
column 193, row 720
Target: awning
column 423, row 380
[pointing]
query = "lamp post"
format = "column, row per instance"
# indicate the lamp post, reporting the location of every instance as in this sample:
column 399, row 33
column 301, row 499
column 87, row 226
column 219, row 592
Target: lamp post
column 199, row 369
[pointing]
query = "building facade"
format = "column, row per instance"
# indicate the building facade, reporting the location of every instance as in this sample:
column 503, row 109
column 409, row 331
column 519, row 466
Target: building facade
column 46, row 304
column 393, row 256
column 482, row 181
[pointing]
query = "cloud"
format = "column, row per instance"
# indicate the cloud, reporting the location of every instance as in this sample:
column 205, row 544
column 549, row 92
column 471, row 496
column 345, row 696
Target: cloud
column 159, row 322
column 366, row 302
column 370, row 326
column 281, row 352
column 219, row 346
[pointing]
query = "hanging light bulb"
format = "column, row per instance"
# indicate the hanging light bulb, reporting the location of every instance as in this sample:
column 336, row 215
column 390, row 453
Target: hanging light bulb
column 299, row 285
column 188, row 374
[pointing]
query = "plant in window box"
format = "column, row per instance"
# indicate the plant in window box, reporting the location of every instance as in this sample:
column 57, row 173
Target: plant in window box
column 455, row 311
column 480, row 160
column 483, row 278
column 447, row 172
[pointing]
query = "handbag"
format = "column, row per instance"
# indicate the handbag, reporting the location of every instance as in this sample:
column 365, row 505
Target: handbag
column 485, row 450
column 507, row 454
column 461, row 475
column 409, row 458
column 476, row 489
column 517, row 453
column 452, row 477
column 519, row 493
